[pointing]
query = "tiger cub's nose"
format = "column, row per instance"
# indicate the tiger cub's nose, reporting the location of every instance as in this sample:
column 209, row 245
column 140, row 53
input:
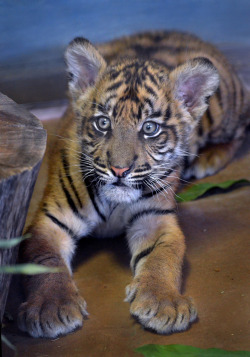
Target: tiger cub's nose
column 120, row 172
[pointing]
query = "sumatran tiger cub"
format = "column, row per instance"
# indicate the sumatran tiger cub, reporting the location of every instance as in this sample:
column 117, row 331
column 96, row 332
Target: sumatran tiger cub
column 142, row 108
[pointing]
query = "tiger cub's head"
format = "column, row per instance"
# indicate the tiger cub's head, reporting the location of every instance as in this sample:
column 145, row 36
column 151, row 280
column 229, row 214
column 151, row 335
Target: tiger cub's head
column 134, row 117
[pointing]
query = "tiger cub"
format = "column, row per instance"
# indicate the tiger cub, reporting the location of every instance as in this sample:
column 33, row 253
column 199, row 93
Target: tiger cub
column 142, row 108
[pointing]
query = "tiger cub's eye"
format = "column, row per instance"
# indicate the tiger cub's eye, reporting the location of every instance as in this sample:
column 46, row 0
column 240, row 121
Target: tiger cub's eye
column 150, row 128
column 103, row 123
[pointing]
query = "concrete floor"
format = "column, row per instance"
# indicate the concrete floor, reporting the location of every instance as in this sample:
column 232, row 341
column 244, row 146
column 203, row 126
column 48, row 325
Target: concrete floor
column 216, row 275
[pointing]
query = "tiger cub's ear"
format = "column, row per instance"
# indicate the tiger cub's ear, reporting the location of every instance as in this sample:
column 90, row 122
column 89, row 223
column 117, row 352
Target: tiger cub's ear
column 84, row 64
column 193, row 83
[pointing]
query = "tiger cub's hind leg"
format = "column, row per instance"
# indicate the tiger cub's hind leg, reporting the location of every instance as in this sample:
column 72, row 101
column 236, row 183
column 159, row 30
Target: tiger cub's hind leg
column 212, row 159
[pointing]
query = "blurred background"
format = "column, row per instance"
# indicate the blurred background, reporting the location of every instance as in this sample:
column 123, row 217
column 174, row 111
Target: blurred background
column 34, row 34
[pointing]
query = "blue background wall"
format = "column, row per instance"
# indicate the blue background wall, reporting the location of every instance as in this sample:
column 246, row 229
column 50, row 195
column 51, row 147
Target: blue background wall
column 29, row 26
column 34, row 34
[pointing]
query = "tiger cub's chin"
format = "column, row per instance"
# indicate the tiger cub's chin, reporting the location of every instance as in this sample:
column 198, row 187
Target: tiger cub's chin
column 120, row 194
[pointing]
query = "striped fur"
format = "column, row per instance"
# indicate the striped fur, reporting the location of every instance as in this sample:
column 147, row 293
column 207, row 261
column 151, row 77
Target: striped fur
column 142, row 109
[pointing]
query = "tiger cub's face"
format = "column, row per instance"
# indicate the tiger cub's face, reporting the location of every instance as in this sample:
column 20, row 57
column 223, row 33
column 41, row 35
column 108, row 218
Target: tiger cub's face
column 134, row 117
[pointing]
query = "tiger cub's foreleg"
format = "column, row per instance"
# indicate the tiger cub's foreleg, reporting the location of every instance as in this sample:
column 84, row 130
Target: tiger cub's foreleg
column 52, row 304
column 157, row 256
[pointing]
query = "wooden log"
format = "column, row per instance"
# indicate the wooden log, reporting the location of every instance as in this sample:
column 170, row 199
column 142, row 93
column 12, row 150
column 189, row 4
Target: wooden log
column 22, row 146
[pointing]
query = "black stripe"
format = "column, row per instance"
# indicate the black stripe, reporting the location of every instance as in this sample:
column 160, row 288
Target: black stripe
column 114, row 114
column 94, row 104
column 68, row 196
column 142, row 168
column 141, row 255
column 107, row 101
column 149, row 51
column 234, row 93
column 153, row 193
column 218, row 95
column 209, row 117
column 161, row 146
column 100, row 172
column 153, row 156
column 61, row 225
column 168, row 113
column 242, row 95
column 128, row 77
column 169, row 171
column 114, row 75
column 146, row 252
column 200, row 129
column 92, row 197
column 137, row 82
column 36, row 256
column 112, row 96
column 121, row 110
column 207, row 99
column 98, row 162
column 58, row 205
column 101, row 108
column 86, row 143
column 67, row 172
column 149, row 90
column 154, row 211
column 129, row 66
column 90, row 135
column 92, row 151
column 135, row 177
column 156, row 114
column 130, row 96
column 185, row 164
column 148, row 101
column 173, row 130
column 53, row 258
column 139, row 113
column 162, row 138
column 115, row 86
column 152, row 79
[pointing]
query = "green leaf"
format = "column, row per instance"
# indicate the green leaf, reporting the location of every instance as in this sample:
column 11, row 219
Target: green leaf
column 8, row 343
column 200, row 189
column 29, row 269
column 186, row 351
column 10, row 243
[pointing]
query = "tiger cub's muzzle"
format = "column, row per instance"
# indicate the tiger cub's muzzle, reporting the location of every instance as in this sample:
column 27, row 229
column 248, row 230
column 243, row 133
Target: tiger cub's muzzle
column 121, row 172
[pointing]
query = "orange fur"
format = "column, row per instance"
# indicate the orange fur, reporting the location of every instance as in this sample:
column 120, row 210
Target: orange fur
column 139, row 106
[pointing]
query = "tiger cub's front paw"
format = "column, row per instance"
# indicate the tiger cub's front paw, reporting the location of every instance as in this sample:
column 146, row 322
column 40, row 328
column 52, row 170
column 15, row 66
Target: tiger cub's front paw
column 158, row 309
column 52, row 312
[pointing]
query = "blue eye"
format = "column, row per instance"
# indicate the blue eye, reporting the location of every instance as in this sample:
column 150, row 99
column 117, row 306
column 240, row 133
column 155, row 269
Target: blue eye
column 103, row 123
column 150, row 128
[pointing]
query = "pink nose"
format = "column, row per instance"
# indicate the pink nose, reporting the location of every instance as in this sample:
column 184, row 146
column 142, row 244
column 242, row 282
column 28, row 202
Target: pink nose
column 119, row 172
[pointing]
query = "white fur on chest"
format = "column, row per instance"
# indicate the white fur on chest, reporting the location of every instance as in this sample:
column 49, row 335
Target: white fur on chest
column 114, row 226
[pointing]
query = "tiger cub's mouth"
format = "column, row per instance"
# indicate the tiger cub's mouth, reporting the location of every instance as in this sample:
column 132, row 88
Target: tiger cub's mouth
column 119, row 183
column 118, row 189
column 120, row 192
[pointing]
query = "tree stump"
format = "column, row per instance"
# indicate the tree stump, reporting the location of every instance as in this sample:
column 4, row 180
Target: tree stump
column 22, row 146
